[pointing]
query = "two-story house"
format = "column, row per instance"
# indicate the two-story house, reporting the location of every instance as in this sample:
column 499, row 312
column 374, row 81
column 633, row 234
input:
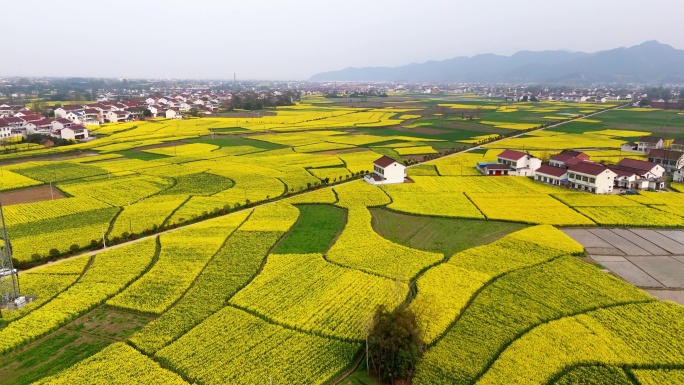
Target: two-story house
column 524, row 164
column 594, row 177
column 669, row 159
column 677, row 145
column 647, row 143
column 567, row 158
column 386, row 171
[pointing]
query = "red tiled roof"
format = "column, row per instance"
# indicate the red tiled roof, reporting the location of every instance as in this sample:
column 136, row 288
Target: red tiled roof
column 43, row 122
column 547, row 169
column 650, row 139
column 678, row 141
column 63, row 120
column 384, row 161
column 665, row 154
column 575, row 154
column 512, row 155
column 562, row 157
column 637, row 164
column 588, row 168
column 621, row 172
column 12, row 119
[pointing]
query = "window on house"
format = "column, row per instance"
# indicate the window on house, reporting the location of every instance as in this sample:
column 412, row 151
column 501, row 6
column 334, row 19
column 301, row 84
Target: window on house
column 592, row 180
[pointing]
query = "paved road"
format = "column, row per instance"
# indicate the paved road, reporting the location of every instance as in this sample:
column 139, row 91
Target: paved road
column 650, row 259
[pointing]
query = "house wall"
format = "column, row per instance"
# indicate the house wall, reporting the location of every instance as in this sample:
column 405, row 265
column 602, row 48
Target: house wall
column 68, row 133
column 678, row 176
column 670, row 165
column 550, row 179
column 599, row 184
column 644, row 146
column 60, row 113
column 394, row 173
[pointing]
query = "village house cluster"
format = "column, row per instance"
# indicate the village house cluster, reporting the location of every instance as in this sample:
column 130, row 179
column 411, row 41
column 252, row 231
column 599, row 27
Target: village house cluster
column 71, row 121
column 574, row 170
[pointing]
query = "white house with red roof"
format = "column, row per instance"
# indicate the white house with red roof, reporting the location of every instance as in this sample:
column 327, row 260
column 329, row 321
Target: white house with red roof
column 61, row 123
column 118, row 116
column 5, row 131
column 567, row 158
column 74, row 132
column 172, row 113
column 61, row 112
column 593, row 177
column 523, row 164
column 546, row 173
column 638, row 174
column 386, row 171
column 92, row 117
column 641, row 168
column 647, row 143
column 43, row 126
column 678, row 176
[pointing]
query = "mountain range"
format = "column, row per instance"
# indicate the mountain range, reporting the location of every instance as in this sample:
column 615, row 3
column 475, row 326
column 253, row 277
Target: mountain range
column 649, row 62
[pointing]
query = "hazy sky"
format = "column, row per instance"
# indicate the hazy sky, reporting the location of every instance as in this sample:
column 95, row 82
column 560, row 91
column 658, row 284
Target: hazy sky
column 294, row 39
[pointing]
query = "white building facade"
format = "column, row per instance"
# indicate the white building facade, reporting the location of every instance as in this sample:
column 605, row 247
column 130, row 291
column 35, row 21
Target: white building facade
column 386, row 171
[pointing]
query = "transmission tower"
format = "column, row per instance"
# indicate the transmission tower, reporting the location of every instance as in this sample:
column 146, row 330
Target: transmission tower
column 9, row 280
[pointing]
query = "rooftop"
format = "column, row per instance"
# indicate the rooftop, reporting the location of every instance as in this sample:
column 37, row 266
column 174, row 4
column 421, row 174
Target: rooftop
column 547, row 169
column 512, row 155
column 384, row 161
column 589, row 168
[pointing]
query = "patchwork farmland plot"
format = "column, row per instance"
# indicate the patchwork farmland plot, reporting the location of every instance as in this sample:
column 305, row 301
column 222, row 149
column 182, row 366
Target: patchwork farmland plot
column 274, row 275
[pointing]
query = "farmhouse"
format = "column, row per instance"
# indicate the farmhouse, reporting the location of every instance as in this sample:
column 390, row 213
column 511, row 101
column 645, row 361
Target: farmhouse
column 5, row 131
column 640, row 168
column 647, row 143
column 567, row 158
column 594, row 177
column 61, row 123
column 43, row 126
column 172, row 114
column 92, row 117
column 118, row 116
column 386, row 171
column 638, row 175
column 677, row 145
column 670, row 160
column 74, row 132
column 77, row 117
column 61, row 112
column 496, row 169
column 556, row 176
column 630, row 147
column 678, row 176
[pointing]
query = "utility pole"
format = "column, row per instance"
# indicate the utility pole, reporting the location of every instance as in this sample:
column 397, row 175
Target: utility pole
column 9, row 284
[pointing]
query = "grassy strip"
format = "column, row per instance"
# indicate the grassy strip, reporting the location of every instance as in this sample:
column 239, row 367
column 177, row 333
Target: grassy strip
column 315, row 230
